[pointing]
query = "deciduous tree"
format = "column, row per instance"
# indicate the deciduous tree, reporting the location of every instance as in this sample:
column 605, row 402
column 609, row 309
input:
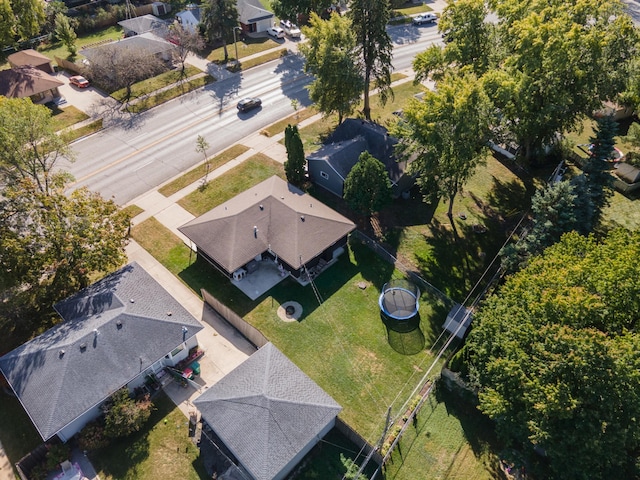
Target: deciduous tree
column 369, row 20
column 219, row 18
column 367, row 188
column 66, row 34
column 186, row 42
column 126, row 415
column 7, row 24
column 331, row 56
column 447, row 132
column 556, row 357
column 299, row 9
column 30, row 17
column 294, row 166
column 29, row 145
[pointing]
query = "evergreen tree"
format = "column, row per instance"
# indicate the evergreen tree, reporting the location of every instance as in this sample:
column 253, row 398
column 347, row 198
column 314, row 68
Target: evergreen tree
column 367, row 188
column 219, row 18
column 294, row 166
column 66, row 34
column 596, row 169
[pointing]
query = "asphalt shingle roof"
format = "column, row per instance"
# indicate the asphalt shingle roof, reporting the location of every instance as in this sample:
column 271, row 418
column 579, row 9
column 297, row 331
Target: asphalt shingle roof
column 69, row 369
column 267, row 410
column 28, row 57
column 21, row 82
column 290, row 223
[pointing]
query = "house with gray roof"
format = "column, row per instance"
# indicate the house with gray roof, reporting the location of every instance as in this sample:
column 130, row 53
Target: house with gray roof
column 272, row 221
column 329, row 166
column 114, row 333
column 267, row 413
column 144, row 24
column 147, row 42
column 189, row 18
column 253, row 17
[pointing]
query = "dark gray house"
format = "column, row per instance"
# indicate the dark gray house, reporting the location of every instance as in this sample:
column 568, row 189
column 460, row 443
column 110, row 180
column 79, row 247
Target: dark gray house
column 267, row 413
column 115, row 333
column 329, row 166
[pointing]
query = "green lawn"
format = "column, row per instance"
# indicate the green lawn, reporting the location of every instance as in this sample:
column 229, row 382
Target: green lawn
column 67, row 116
column 197, row 173
column 88, row 129
column 164, row 96
column 59, row 50
column 249, row 173
column 161, row 450
column 249, row 46
column 294, row 119
column 267, row 57
column 17, row 433
column 156, row 83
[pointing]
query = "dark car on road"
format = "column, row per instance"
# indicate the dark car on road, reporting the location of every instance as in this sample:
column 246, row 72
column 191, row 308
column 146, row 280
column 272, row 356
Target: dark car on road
column 247, row 104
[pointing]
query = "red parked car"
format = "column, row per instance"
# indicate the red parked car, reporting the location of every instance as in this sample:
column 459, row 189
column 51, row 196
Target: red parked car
column 79, row 81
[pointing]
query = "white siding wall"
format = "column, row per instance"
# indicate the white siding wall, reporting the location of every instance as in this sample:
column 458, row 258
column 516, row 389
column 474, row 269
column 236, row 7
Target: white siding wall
column 74, row 427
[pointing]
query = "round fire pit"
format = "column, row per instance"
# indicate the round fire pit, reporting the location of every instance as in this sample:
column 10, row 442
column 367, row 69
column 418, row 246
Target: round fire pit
column 290, row 311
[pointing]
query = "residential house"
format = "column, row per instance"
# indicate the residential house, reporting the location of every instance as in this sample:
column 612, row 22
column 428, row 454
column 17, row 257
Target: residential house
column 143, row 24
column 253, row 17
column 29, row 82
column 147, row 42
column 267, row 414
column 189, row 18
column 114, row 333
column 329, row 166
column 272, row 221
column 31, row 58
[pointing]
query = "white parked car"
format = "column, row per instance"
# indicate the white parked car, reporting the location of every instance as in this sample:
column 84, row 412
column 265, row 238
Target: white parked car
column 275, row 32
column 291, row 29
column 424, row 18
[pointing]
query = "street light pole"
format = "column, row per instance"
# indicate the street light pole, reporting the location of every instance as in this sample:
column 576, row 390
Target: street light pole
column 235, row 42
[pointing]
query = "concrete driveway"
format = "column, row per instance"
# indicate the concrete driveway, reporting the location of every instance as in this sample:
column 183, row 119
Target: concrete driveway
column 90, row 100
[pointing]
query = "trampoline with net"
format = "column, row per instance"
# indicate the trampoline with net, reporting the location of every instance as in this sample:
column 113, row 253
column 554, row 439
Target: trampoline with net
column 399, row 299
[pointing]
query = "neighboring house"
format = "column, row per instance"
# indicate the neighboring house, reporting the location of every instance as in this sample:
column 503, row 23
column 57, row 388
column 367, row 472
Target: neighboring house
column 189, row 18
column 271, row 221
column 148, row 42
column 253, row 17
column 143, row 24
column 29, row 82
column 31, row 58
column 626, row 178
column 267, row 413
column 329, row 166
column 115, row 332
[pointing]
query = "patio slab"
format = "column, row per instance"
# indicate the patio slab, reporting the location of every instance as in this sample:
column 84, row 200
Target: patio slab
column 261, row 281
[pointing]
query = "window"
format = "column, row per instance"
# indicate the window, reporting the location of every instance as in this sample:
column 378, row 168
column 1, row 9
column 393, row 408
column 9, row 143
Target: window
column 177, row 350
column 324, row 175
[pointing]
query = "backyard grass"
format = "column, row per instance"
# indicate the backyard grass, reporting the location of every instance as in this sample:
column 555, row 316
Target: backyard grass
column 247, row 46
column 154, row 100
column 17, row 433
column 294, row 119
column 156, row 83
column 93, row 127
column 67, row 116
column 249, row 173
column 197, row 173
column 59, row 50
column 162, row 449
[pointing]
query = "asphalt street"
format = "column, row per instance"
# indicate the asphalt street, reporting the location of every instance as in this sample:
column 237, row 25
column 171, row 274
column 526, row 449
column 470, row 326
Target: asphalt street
column 138, row 153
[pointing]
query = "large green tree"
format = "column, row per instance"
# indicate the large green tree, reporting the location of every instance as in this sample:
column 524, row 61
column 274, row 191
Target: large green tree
column 294, row 166
column 299, row 9
column 219, row 18
column 445, row 134
column 369, row 19
column 125, row 415
column 331, row 57
column 66, row 34
column 29, row 145
column 556, row 357
column 30, row 17
column 367, row 188
column 7, row 24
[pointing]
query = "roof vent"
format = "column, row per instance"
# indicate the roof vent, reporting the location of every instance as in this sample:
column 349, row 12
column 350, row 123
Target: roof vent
column 261, row 207
column 61, row 354
column 169, row 314
column 132, row 301
column 311, row 205
column 302, row 217
column 282, row 198
column 255, row 231
column 83, row 347
column 119, row 324
column 96, row 332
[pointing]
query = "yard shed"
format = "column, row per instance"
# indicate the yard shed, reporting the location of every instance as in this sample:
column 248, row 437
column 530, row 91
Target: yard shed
column 31, row 58
column 268, row 413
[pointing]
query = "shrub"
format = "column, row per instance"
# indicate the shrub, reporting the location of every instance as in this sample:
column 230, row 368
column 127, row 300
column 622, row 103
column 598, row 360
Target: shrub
column 93, row 436
column 125, row 415
column 56, row 455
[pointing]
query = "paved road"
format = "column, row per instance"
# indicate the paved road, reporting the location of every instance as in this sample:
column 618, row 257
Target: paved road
column 139, row 153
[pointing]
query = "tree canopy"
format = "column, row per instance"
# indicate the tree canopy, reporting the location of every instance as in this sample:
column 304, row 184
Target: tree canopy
column 367, row 188
column 299, row 9
column 556, row 356
column 219, row 18
column 294, row 166
column 446, row 133
column 369, row 19
column 20, row 20
column 331, row 57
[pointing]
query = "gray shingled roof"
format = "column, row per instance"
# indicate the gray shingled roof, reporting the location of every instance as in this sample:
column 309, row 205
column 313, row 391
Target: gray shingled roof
column 56, row 388
column 251, row 11
column 290, row 223
column 266, row 410
column 149, row 42
column 354, row 136
column 143, row 24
